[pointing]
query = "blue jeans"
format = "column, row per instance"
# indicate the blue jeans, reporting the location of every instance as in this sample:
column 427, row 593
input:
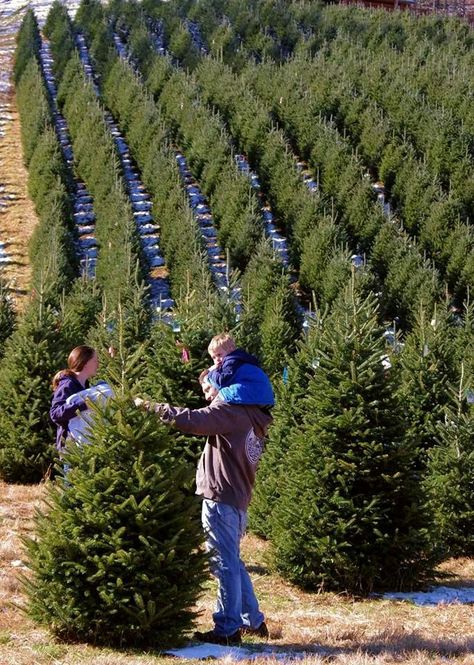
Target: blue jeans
column 237, row 605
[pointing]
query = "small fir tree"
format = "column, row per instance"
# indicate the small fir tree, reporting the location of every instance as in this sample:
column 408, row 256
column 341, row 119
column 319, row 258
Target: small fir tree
column 116, row 558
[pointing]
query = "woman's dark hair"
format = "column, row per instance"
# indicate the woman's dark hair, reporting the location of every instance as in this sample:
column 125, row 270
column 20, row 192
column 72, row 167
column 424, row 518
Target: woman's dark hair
column 77, row 359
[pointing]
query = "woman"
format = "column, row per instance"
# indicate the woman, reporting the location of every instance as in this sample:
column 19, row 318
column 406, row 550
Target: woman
column 82, row 364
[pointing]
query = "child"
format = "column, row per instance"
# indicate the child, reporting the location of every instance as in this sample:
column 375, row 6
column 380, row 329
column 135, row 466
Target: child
column 236, row 374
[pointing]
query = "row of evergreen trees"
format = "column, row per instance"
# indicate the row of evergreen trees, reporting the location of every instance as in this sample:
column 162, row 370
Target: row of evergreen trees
column 438, row 219
column 275, row 311
column 132, row 486
column 419, row 146
column 180, row 239
column 97, row 163
column 53, row 322
column 85, row 313
column 203, row 140
column 48, row 179
column 428, row 108
column 31, row 352
column 407, row 268
column 429, row 176
column 311, row 219
column 308, row 219
column 411, row 279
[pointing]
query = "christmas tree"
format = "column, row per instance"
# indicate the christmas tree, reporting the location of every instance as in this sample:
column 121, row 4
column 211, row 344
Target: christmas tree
column 7, row 315
column 264, row 276
column 32, row 356
column 280, row 327
column 80, row 309
column 428, row 367
column 173, row 366
column 450, row 472
column 290, row 389
column 28, row 44
column 121, row 335
column 116, row 558
column 350, row 514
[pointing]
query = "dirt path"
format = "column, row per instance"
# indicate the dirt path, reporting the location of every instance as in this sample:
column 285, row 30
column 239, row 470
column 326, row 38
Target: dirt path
column 17, row 215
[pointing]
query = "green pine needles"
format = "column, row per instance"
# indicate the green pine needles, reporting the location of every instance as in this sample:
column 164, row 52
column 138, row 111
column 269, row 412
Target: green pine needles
column 117, row 558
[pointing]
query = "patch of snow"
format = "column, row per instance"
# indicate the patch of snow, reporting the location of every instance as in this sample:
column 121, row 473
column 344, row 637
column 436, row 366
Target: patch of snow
column 205, row 651
column 441, row 595
column 18, row 563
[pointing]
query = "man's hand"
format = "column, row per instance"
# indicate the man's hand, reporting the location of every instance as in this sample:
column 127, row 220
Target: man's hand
column 144, row 404
column 157, row 407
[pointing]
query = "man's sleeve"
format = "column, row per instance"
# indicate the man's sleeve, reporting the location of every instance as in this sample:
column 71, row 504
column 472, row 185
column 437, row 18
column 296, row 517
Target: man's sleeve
column 209, row 421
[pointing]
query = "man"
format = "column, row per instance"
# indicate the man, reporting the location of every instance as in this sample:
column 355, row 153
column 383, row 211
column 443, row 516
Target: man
column 225, row 479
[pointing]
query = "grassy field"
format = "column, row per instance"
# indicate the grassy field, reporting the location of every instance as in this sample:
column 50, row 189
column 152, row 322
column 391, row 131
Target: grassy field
column 330, row 628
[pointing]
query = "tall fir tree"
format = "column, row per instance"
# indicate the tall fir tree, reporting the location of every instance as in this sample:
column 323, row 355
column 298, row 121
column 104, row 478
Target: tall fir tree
column 28, row 44
column 280, row 327
column 264, row 276
column 32, row 356
column 350, row 515
column 80, row 309
column 7, row 315
column 121, row 332
column 173, row 367
column 450, row 473
column 290, row 389
column 428, row 366
column 463, row 325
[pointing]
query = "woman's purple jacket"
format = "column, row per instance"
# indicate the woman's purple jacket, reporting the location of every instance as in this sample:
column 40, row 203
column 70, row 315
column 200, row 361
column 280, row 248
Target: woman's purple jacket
column 60, row 412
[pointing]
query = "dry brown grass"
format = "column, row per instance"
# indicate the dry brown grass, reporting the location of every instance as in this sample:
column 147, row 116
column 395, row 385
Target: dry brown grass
column 330, row 628
column 17, row 214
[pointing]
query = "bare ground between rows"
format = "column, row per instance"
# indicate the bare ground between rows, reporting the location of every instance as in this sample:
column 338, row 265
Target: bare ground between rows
column 17, row 214
column 335, row 628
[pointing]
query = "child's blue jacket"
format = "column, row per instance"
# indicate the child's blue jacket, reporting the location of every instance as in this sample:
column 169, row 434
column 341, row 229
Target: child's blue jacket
column 241, row 380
